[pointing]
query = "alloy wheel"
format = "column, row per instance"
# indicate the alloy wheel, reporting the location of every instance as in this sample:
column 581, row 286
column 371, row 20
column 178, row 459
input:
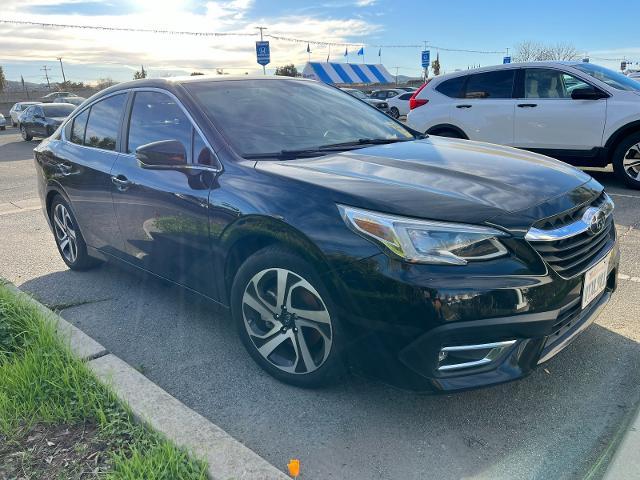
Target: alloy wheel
column 631, row 162
column 65, row 233
column 23, row 132
column 287, row 321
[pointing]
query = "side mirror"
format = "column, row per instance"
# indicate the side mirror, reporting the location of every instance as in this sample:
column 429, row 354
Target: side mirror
column 162, row 155
column 587, row 93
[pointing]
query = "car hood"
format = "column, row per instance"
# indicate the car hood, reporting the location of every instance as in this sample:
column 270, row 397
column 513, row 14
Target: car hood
column 436, row 178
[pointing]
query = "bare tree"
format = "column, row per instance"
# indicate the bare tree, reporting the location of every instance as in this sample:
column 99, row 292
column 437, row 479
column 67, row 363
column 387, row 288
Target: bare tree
column 530, row 51
column 3, row 80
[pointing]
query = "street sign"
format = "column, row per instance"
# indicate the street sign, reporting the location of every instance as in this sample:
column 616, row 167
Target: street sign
column 506, row 60
column 263, row 53
column 426, row 54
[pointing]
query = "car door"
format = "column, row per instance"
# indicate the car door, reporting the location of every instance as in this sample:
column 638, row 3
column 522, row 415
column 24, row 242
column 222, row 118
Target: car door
column 82, row 162
column 548, row 118
column 163, row 213
column 38, row 122
column 27, row 119
column 402, row 103
column 486, row 110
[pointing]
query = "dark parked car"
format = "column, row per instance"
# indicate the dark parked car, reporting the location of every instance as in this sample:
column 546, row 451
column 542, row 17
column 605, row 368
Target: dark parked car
column 332, row 231
column 380, row 104
column 41, row 120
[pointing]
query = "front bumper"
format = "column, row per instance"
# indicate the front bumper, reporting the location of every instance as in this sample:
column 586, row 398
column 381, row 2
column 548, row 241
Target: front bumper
column 418, row 314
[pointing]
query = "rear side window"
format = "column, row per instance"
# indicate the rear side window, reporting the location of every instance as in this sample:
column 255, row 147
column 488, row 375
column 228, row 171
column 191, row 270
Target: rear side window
column 453, row 87
column 406, row 96
column 156, row 116
column 104, row 123
column 498, row 84
column 78, row 127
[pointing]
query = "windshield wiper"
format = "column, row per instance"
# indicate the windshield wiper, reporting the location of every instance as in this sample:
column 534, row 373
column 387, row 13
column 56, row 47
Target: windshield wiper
column 324, row 149
column 367, row 141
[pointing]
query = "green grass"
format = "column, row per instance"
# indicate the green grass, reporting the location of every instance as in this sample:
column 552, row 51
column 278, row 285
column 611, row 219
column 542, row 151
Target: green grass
column 42, row 382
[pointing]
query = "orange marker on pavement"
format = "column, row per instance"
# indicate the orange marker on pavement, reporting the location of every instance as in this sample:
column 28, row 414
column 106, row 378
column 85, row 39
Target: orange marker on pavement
column 294, row 467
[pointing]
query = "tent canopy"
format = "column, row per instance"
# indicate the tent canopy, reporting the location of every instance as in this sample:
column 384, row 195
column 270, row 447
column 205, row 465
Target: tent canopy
column 346, row 73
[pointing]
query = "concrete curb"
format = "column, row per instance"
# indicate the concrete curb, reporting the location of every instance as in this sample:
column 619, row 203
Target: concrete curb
column 626, row 461
column 226, row 457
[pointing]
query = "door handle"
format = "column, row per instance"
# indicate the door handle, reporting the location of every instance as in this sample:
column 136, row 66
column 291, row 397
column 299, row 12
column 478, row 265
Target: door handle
column 464, row 106
column 527, row 105
column 121, row 182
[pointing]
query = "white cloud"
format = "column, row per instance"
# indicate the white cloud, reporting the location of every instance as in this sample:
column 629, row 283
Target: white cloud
column 169, row 52
column 365, row 3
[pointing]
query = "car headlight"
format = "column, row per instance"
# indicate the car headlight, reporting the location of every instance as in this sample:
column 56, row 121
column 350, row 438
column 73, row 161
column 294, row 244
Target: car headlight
column 423, row 241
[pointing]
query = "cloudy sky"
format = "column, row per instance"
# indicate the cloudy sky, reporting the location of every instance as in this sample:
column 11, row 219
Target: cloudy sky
column 465, row 24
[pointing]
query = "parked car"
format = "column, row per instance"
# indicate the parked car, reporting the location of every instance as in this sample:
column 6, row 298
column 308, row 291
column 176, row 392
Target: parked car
column 634, row 75
column 379, row 104
column 3, row 122
column 385, row 94
column 50, row 97
column 407, row 89
column 17, row 110
column 399, row 105
column 578, row 112
column 327, row 227
column 42, row 120
column 73, row 100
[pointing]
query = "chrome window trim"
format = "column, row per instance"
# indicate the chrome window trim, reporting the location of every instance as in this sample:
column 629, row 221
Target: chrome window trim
column 145, row 89
column 571, row 230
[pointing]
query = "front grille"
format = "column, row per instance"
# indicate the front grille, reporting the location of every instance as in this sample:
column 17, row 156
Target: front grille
column 571, row 256
column 570, row 216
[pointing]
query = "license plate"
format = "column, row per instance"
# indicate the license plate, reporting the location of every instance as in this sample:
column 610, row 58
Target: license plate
column 595, row 280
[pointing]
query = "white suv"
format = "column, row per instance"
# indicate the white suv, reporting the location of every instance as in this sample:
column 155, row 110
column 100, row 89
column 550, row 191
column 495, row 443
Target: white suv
column 581, row 113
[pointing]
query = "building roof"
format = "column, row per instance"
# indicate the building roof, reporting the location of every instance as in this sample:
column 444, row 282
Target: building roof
column 347, row 73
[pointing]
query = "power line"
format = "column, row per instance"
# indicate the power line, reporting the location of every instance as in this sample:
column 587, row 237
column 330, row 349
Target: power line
column 243, row 34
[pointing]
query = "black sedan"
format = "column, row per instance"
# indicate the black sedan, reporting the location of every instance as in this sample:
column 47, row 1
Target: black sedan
column 42, row 120
column 332, row 231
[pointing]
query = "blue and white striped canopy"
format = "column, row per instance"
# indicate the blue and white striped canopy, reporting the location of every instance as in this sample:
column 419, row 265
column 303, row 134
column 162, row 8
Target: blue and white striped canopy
column 345, row 73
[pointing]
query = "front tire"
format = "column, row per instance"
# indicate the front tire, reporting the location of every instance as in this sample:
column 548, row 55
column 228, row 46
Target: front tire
column 69, row 239
column 26, row 136
column 286, row 319
column 626, row 160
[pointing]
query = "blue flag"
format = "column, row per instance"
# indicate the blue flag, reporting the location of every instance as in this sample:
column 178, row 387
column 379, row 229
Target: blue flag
column 361, row 51
column 308, row 49
column 346, row 52
column 380, row 52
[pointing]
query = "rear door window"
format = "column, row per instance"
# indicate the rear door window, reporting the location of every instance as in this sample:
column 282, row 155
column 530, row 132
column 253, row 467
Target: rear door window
column 491, row 85
column 78, row 128
column 104, row 122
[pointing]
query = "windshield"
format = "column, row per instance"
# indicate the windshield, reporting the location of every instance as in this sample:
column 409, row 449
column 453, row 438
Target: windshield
column 265, row 116
column 57, row 110
column 613, row 79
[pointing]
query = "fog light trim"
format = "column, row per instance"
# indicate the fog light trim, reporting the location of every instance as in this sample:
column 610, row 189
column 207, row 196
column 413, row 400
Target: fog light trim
column 495, row 351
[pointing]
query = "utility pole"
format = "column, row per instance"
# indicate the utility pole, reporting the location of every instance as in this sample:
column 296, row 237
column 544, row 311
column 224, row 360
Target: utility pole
column 264, row 68
column 64, row 79
column 396, row 75
column 46, row 69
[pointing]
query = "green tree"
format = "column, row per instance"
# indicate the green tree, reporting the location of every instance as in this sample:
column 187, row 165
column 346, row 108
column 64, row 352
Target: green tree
column 287, row 71
column 3, row 80
column 142, row 73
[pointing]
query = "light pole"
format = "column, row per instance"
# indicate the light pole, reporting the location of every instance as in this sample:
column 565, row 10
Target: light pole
column 64, row 79
column 264, row 68
column 426, row 69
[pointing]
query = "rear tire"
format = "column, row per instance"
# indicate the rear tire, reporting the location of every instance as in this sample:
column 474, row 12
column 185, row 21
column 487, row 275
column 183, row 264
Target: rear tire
column 69, row 239
column 300, row 344
column 626, row 160
column 394, row 112
column 25, row 135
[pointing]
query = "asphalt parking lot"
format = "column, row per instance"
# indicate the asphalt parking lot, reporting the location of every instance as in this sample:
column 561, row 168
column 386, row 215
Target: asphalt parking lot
column 561, row 422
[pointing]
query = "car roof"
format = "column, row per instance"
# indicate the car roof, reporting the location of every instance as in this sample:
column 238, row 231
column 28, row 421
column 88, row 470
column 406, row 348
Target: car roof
column 507, row 66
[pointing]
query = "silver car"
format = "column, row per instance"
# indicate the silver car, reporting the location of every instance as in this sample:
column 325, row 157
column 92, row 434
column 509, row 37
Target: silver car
column 17, row 110
column 3, row 122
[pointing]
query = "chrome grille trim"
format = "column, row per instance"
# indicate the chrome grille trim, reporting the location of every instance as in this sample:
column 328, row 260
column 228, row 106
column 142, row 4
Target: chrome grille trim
column 570, row 249
column 572, row 229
